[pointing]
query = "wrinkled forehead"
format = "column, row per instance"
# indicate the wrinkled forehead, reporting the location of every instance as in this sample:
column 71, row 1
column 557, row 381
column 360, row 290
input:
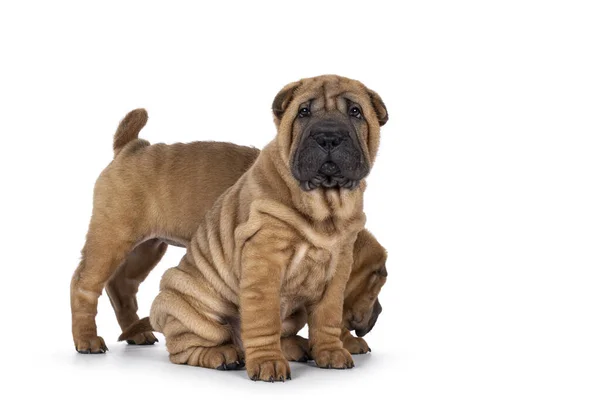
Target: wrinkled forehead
column 330, row 94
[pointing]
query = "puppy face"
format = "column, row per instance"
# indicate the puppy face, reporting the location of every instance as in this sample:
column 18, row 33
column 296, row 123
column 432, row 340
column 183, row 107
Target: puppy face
column 328, row 130
column 369, row 274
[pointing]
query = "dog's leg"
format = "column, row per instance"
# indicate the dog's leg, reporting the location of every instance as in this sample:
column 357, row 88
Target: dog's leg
column 101, row 255
column 123, row 285
column 325, row 320
column 195, row 319
column 260, row 306
column 195, row 330
column 213, row 348
column 294, row 347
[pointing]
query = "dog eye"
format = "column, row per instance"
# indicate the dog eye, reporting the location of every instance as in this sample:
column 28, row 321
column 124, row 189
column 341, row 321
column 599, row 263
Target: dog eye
column 355, row 112
column 304, row 112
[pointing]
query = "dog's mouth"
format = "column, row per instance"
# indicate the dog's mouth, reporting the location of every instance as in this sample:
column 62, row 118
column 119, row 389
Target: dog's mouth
column 329, row 176
column 328, row 182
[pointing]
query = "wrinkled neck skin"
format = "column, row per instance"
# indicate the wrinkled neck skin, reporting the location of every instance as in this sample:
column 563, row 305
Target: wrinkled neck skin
column 332, row 209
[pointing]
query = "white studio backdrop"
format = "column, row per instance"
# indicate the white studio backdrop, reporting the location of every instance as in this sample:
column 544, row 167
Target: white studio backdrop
column 486, row 190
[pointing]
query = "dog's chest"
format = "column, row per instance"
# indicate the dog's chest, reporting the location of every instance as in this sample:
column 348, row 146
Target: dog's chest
column 307, row 275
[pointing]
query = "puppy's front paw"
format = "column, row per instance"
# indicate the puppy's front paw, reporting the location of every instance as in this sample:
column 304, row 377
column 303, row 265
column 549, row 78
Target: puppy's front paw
column 356, row 345
column 335, row 358
column 268, row 369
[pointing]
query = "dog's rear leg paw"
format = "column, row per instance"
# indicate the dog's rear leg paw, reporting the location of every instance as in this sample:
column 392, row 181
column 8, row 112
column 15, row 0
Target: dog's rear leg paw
column 334, row 358
column 90, row 345
column 222, row 357
column 356, row 345
column 295, row 348
column 143, row 339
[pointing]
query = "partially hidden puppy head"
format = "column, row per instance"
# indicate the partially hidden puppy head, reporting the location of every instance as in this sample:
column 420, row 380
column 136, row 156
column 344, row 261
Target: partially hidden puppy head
column 328, row 130
column 369, row 274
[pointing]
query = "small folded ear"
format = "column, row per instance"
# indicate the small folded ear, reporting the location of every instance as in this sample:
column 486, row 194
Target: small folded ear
column 379, row 106
column 283, row 98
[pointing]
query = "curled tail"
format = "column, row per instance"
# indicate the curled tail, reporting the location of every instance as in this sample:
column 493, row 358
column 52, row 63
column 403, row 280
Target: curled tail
column 141, row 326
column 129, row 128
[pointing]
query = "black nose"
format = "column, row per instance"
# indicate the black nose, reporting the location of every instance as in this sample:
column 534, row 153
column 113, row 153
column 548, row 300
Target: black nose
column 329, row 139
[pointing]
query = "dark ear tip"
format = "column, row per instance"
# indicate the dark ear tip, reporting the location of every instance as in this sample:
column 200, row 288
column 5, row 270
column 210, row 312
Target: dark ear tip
column 278, row 113
column 282, row 99
column 380, row 108
column 383, row 120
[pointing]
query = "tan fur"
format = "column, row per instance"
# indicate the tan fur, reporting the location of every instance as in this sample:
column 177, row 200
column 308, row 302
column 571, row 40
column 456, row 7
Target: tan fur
column 129, row 129
column 267, row 249
column 148, row 196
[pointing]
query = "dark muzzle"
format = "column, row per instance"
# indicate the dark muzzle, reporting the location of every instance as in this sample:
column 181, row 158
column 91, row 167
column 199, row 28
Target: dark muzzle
column 329, row 155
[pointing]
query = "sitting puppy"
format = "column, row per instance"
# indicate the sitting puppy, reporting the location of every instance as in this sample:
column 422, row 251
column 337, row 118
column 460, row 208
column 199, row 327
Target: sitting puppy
column 153, row 195
column 361, row 307
column 280, row 241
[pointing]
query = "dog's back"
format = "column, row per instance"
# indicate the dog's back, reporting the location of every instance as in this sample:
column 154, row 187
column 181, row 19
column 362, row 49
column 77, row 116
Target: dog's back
column 160, row 190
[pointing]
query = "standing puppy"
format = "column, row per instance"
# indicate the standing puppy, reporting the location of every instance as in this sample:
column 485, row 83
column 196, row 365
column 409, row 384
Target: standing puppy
column 280, row 240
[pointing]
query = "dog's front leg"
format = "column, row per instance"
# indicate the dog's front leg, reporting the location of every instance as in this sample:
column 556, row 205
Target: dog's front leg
column 263, row 260
column 325, row 320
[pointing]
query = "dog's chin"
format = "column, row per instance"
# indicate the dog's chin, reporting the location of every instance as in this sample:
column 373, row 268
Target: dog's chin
column 328, row 182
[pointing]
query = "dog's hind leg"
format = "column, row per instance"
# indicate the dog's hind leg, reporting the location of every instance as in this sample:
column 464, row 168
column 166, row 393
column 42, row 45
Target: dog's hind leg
column 195, row 334
column 214, row 348
column 102, row 254
column 123, row 285
column 293, row 346
column 196, row 320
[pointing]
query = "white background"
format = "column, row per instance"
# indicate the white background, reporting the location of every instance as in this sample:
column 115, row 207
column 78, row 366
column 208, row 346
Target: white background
column 486, row 191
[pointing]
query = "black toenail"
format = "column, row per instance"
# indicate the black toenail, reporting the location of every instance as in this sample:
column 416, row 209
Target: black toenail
column 233, row 365
column 222, row 367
